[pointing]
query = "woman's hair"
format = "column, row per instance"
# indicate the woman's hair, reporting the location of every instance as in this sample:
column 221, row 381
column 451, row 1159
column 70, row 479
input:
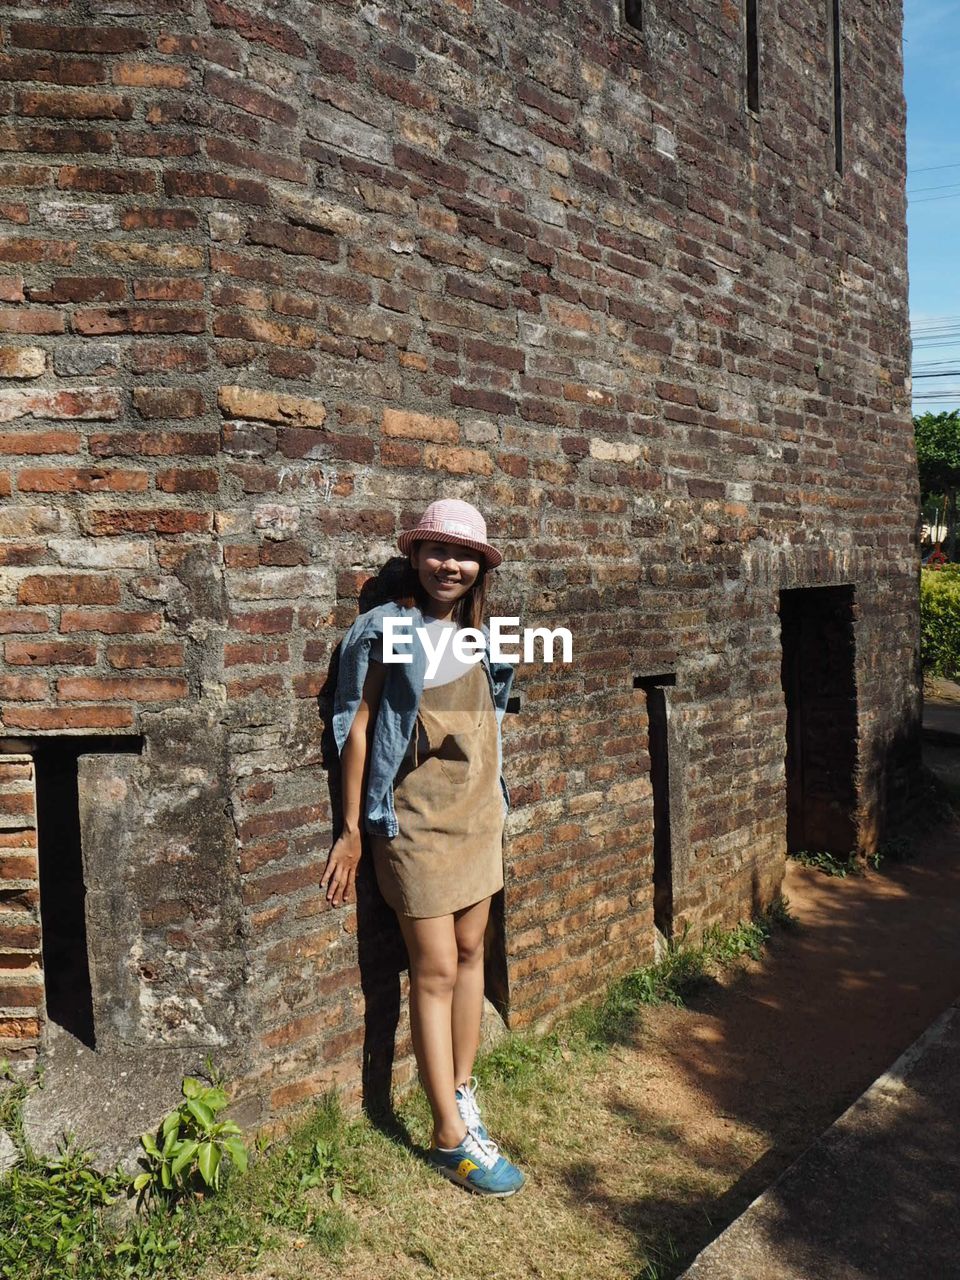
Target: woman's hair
column 469, row 611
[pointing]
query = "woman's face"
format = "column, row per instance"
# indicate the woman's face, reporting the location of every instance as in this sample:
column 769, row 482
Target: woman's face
column 447, row 571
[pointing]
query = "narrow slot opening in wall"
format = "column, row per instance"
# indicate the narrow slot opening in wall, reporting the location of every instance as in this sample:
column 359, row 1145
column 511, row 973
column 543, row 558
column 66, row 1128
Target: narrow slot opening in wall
column 753, row 55
column 659, row 752
column 66, row 969
column 66, row 965
column 818, row 674
column 834, row 18
column 633, row 14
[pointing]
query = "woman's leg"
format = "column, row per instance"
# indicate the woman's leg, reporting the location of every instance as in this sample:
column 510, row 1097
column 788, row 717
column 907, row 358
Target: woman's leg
column 432, row 949
column 469, row 926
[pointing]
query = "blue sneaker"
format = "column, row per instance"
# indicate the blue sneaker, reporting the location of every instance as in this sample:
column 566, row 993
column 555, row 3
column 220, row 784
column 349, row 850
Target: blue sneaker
column 478, row 1166
column 469, row 1108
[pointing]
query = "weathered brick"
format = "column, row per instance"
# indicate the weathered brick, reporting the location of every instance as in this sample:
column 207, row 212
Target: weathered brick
column 43, row 719
column 82, row 289
column 14, row 621
column 98, row 403
column 22, row 362
column 247, row 402
column 419, row 426
column 46, row 653
column 188, row 480
column 168, row 402
column 186, row 184
column 69, row 588
column 116, row 688
column 31, row 320
column 239, row 93
column 132, row 656
column 80, row 480
column 65, row 105
column 25, row 249
column 108, row 181
column 22, row 689
column 166, row 520
column 168, row 289
column 45, row 35
column 151, row 75
column 121, row 622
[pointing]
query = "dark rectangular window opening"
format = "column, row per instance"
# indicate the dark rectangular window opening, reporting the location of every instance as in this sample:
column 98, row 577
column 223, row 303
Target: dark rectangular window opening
column 658, row 746
column 818, row 675
column 633, row 14
column 753, row 55
column 835, row 16
column 66, row 966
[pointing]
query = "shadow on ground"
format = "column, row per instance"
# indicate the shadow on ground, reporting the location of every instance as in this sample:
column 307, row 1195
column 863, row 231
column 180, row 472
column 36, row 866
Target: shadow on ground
column 787, row 1044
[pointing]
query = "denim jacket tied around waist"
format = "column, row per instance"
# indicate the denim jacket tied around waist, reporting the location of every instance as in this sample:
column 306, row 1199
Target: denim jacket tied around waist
column 397, row 714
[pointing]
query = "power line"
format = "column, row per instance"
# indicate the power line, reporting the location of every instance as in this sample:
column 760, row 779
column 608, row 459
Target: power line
column 934, row 337
column 930, row 167
column 934, row 322
column 944, row 186
column 930, row 199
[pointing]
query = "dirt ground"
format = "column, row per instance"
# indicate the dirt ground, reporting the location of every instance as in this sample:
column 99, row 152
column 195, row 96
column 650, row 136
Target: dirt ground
column 785, row 1045
column 637, row 1161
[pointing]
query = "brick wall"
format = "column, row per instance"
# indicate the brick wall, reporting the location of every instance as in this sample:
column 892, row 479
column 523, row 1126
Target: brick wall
column 21, row 983
column 276, row 276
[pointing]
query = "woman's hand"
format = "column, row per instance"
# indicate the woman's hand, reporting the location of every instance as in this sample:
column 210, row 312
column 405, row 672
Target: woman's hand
column 340, row 872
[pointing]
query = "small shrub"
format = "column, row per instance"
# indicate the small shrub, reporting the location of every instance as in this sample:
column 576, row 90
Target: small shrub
column 940, row 621
column 189, row 1149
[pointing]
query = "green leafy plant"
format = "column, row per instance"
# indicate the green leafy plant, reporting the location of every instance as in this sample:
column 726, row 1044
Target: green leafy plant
column 189, row 1149
column 829, row 863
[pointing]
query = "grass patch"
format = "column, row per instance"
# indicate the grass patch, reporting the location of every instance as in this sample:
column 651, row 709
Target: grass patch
column 62, row 1216
column 671, row 980
column 338, row 1197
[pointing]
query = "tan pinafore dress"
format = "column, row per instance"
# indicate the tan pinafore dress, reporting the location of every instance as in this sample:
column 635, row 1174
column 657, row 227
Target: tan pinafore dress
column 448, row 853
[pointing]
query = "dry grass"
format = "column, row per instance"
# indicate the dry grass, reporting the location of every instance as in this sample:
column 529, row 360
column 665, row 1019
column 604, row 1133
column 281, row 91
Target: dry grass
column 628, row 1169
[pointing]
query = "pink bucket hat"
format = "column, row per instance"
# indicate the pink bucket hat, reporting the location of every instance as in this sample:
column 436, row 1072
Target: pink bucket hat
column 451, row 520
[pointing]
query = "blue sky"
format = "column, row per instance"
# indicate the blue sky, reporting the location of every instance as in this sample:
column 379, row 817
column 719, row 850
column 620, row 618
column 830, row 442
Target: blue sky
column 932, row 64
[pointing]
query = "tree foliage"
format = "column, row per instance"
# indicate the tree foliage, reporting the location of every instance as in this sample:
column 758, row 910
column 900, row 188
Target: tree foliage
column 938, row 461
column 938, row 451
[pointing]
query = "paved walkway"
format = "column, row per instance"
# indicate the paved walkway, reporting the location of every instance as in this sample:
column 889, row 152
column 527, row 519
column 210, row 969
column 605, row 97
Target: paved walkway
column 877, row 1197
column 941, row 711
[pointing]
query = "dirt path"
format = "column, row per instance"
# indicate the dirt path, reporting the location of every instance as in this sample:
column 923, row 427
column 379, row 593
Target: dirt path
column 636, row 1163
column 781, row 1048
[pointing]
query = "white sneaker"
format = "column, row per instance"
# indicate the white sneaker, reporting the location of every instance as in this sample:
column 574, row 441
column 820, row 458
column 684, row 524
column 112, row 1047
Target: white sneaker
column 469, row 1109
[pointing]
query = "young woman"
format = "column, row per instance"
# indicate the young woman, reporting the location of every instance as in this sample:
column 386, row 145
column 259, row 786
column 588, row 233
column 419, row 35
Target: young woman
column 421, row 760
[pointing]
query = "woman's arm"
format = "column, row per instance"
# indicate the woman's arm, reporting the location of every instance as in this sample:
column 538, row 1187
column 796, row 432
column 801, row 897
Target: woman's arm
column 341, row 869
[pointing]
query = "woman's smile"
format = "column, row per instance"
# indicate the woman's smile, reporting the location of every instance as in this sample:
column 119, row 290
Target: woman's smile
column 446, row 570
